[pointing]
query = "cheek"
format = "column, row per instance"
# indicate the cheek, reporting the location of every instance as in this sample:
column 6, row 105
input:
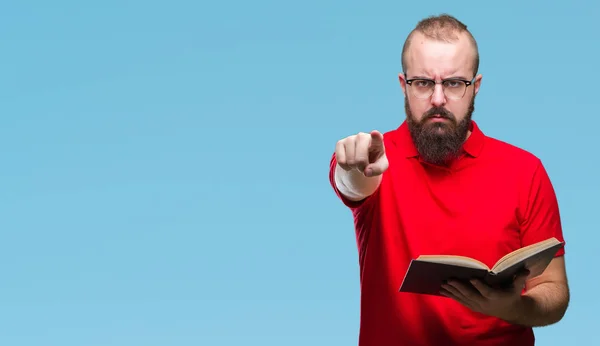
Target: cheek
column 459, row 109
column 418, row 108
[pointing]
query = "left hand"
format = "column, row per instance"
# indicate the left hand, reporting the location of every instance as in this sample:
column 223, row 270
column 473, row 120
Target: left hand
column 505, row 304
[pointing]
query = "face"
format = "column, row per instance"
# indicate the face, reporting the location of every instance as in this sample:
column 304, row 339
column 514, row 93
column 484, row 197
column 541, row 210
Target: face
column 439, row 123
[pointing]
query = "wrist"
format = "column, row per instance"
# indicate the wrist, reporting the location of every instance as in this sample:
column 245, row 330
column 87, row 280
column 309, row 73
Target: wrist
column 354, row 184
column 519, row 310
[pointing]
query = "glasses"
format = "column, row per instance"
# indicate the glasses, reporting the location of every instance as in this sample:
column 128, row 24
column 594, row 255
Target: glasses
column 454, row 88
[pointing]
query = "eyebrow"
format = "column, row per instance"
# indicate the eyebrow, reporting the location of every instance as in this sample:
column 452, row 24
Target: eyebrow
column 448, row 78
column 458, row 77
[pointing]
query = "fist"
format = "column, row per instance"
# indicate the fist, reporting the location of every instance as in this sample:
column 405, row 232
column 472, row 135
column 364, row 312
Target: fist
column 364, row 152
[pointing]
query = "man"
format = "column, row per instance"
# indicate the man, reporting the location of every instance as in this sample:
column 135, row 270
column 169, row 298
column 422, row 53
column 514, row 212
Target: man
column 438, row 185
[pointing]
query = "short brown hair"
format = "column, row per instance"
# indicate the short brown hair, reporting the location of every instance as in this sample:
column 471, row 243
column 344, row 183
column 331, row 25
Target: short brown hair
column 443, row 27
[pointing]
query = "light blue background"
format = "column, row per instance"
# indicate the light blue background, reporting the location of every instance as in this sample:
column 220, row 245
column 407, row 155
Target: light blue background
column 164, row 165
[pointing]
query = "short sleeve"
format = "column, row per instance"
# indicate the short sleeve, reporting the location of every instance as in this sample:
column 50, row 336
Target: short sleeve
column 541, row 218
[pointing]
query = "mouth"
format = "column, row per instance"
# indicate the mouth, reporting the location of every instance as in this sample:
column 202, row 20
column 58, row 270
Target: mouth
column 437, row 118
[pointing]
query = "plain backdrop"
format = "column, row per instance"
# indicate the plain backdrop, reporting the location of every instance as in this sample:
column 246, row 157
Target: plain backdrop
column 164, row 165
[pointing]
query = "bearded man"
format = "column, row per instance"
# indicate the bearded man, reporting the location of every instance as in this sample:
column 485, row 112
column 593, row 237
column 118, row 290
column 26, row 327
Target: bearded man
column 438, row 185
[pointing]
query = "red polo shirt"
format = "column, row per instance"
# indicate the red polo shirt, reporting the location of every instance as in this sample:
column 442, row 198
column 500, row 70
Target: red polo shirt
column 495, row 199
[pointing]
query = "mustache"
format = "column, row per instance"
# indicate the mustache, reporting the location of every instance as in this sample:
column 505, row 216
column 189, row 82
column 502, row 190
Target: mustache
column 439, row 111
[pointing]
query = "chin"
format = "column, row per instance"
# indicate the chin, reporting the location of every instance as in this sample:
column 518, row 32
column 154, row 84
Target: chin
column 438, row 126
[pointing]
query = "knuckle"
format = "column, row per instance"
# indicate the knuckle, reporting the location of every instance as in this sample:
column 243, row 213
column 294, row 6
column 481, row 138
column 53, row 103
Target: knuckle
column 345, row 140
column 362, row 135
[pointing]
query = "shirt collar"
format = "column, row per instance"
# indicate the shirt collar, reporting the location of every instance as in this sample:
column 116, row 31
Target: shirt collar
column 472, row 146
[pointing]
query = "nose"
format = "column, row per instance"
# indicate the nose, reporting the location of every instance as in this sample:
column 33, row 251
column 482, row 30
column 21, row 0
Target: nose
column 438, row 98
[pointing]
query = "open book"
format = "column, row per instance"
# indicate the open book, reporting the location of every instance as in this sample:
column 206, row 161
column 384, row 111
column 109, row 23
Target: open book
column 426, row 274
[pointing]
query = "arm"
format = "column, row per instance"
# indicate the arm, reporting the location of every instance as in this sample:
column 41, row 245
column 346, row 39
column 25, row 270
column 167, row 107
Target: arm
column 547, row 297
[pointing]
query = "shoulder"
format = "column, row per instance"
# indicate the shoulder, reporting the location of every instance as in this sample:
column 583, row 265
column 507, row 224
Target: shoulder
column 510, row 155
column 513, row 164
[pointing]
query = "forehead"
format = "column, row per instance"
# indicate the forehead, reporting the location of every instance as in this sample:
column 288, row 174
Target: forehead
column 427, row 57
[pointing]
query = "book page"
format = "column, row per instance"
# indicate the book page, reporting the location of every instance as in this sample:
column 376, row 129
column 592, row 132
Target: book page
column 460, row 261
column 523, row 253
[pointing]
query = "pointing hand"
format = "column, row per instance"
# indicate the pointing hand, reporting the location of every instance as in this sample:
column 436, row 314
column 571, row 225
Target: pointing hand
column 364, row 152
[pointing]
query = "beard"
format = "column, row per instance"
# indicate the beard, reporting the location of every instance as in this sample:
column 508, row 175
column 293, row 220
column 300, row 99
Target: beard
column 439, row 142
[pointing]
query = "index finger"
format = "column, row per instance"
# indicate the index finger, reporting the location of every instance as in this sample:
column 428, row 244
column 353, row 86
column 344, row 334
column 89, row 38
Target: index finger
column 376, row 139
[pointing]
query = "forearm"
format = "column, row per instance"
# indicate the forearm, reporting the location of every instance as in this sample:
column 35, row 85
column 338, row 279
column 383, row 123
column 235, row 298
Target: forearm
column 354, row 184
column 543, row 305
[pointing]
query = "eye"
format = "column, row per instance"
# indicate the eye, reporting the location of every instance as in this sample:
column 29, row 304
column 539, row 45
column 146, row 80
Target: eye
column 453, row 84
column 422, row 83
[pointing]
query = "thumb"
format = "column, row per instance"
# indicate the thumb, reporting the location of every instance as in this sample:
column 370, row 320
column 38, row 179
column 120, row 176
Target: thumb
column 378, row 167
column 519, row 282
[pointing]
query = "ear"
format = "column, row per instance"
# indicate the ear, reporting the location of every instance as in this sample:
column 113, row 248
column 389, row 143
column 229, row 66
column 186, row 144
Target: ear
column 402, row 79
column 477, row 83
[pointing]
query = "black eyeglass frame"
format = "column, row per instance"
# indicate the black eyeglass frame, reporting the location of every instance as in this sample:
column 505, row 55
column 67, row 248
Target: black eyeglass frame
column 467, row 82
